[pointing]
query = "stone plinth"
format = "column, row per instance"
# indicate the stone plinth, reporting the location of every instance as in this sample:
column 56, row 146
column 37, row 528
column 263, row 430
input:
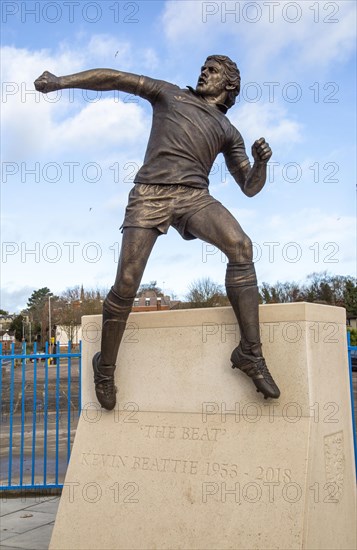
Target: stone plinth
column 194, row 458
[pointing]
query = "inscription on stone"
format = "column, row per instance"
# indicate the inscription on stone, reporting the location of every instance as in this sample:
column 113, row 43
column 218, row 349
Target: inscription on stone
column 160, row 464
column 100, row 459
column 183, row 432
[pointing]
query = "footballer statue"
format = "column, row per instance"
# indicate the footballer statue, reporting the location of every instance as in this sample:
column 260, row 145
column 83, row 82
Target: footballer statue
column 189, row 129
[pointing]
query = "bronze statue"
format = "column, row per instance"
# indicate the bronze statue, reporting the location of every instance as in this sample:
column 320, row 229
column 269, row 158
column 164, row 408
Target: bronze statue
column 188, row 131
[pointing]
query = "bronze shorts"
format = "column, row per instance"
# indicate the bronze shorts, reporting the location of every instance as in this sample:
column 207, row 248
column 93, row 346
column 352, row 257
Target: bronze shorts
column 159, row 206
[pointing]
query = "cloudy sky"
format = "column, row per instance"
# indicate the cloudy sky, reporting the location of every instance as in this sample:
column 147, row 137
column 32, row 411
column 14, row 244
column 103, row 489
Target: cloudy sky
column 69, row 158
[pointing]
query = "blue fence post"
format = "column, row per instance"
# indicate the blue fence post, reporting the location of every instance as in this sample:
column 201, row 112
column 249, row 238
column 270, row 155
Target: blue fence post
column 80, row 379
column 23, row 401
column 34, row 416
column 69, row 401
column 58, row 359
column 349, row 349
column 45, row 416
column 11, row 411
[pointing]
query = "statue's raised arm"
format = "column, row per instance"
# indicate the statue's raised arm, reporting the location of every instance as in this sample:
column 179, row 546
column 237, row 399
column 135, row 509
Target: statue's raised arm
column 94, row 79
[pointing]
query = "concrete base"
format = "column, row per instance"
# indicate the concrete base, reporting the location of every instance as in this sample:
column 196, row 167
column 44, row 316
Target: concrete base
column 194, row 458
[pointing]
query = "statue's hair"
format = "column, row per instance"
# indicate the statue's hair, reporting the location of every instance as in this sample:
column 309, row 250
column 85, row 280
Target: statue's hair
column 232, row 73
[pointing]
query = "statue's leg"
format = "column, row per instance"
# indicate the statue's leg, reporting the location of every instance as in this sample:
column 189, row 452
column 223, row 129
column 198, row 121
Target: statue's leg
column 136, row 246
column 216, row 225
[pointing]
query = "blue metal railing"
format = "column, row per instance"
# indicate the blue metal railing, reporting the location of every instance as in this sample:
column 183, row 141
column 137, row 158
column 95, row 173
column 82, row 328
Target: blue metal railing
column 350, row 349
column 36, row 438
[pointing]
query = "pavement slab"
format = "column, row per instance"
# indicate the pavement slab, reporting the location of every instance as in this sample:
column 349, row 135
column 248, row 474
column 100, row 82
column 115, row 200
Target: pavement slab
column 36, row 539
column 27, row 522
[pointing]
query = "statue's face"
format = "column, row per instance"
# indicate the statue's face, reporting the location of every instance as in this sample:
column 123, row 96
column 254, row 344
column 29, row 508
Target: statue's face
column 212, row 80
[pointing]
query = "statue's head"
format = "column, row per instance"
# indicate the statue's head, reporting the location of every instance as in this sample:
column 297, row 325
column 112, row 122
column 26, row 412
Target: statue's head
column 219, row 79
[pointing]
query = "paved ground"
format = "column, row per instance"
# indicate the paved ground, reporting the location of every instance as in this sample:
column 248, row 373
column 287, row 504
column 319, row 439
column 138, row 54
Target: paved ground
column 27, row 522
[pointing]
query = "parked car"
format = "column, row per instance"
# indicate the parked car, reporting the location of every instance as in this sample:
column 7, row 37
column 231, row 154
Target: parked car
column 40, row 356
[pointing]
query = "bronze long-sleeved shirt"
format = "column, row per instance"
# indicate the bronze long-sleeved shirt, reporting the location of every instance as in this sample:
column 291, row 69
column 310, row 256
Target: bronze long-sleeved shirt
column 186, row 136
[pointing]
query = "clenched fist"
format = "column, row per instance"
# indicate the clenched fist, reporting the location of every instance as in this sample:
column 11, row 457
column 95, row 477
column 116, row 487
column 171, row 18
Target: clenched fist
column 261, row 151
column 47, row 82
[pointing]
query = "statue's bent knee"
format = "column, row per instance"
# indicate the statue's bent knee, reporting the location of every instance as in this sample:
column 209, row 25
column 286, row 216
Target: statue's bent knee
column 240, row 251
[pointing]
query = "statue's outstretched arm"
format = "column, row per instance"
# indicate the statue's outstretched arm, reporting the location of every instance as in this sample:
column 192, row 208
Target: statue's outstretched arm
column 94, row 79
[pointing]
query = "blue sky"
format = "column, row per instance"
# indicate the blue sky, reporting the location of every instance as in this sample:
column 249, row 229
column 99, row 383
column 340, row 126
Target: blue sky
column 68, row 159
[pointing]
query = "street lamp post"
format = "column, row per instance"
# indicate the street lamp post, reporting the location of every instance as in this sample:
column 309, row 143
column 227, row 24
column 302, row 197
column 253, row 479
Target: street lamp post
column 49, row 319
column 49, row 328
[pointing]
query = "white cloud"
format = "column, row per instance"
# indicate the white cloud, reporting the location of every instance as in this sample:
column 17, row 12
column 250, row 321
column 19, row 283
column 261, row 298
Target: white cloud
column 38, row 131
column 183, row 21
column 150, row 59
column 101, row 126
column 14, row 299
column 37, row 125
column 306, row 241
column 310, row 36
column 102, row 47
column 268, row 120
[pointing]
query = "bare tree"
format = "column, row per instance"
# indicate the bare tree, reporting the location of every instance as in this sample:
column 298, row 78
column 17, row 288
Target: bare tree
column 321, row 287
column 152, row 285
column 206, row 293
column 280, row 293
column 75, row 302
